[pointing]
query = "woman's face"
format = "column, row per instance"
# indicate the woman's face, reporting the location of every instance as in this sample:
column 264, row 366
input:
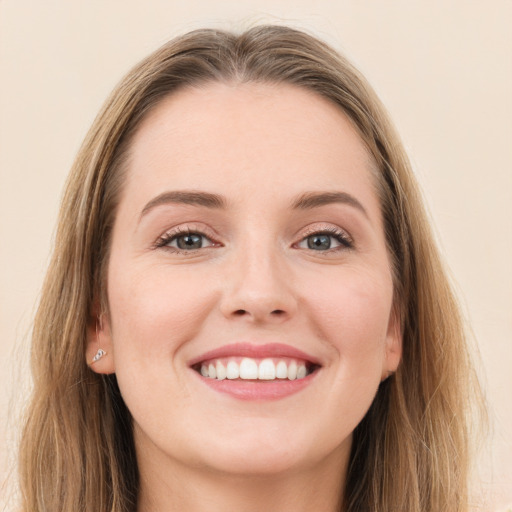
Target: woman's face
column 250, row 292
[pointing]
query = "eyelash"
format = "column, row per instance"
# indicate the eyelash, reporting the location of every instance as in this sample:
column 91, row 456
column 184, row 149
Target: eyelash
column 163, row 242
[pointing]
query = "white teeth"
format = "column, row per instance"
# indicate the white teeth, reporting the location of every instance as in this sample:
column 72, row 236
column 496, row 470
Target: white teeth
column 292, row 370
column 267, row 370
column 233, row 370
column 248, row 369
column 281, row 370
column 301, row 371
column 221, row 371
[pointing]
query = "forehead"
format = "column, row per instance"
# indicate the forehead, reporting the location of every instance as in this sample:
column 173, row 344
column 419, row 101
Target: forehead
column 228, row 138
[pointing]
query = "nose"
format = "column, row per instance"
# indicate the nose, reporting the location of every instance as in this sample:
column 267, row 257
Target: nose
column 259, row 288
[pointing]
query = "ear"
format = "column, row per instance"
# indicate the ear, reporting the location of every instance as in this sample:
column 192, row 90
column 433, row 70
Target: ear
column 393, row 348
column 99, row 352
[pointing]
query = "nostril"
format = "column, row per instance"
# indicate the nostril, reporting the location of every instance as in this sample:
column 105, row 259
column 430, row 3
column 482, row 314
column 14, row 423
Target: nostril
column 258, row 315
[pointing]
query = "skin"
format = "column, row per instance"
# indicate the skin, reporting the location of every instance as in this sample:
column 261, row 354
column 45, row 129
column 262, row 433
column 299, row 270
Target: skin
column 255, row 279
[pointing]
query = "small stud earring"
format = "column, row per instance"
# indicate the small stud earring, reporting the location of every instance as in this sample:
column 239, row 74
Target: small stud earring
column 98, row 356
column 100, row 353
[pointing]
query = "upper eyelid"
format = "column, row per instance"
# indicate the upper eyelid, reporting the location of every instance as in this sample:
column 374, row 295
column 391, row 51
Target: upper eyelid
column 185, row 228
column 328, row 228
column 177, row 234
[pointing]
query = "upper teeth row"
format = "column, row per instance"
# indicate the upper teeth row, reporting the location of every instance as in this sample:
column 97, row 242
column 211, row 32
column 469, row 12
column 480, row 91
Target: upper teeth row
column 250, row 369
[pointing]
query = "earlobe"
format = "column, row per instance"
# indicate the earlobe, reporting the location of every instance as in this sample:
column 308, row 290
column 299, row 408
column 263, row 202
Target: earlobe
column 99, row 353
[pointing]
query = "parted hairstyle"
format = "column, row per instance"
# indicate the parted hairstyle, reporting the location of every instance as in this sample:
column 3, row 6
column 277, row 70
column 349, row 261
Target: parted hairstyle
column 410, row 453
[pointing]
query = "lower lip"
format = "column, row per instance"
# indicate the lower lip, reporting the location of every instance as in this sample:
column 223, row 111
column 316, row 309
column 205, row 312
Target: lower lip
column 258, row 389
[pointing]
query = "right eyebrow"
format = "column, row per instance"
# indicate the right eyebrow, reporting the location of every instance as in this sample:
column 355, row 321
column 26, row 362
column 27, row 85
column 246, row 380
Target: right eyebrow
column 310, row 200
column 193, row 197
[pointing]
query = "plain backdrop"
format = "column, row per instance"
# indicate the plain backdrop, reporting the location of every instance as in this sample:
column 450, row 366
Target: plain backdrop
column 443, row 69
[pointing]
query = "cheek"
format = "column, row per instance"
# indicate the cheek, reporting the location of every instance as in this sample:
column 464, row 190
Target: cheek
column 351, row 313
column 156, row 311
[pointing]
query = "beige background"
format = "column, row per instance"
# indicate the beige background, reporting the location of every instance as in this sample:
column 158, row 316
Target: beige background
column 443, row 69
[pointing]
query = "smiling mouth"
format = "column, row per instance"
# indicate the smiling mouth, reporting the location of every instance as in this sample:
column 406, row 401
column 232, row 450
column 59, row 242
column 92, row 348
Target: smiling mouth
column 255, row 369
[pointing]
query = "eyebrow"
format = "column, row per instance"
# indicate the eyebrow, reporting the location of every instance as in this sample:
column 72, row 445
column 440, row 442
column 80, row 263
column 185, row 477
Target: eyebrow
column 311, row 200
column 306, row 201
column 196, row 198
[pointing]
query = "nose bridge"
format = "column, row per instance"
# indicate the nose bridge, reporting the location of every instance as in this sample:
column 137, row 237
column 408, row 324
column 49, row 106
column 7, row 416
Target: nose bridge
column 259, row 285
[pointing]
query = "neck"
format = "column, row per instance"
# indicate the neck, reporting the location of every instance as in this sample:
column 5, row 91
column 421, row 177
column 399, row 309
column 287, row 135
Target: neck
column 181, row 487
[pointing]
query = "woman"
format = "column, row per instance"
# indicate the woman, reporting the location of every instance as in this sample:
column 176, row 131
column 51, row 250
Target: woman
column 245, row 309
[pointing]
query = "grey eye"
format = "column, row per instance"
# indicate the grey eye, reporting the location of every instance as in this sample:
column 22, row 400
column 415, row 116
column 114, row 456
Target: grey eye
column 325, row 241
column 185, row 241
column 319, row 242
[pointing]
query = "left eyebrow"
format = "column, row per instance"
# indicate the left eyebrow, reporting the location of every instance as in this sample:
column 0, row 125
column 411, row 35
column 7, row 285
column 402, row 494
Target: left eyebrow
column 193, row 197
column 311, row 200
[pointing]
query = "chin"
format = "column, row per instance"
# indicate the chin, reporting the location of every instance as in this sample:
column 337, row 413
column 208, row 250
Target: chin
column 258, row 462
column 270, row 453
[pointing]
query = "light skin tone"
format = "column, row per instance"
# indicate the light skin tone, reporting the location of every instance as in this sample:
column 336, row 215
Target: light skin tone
column 249, row 215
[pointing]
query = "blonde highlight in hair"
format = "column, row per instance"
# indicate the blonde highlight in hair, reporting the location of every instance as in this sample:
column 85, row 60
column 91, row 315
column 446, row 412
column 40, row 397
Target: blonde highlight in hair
column 410, row 452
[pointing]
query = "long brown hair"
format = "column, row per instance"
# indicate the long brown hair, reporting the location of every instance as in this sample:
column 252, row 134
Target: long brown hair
column 410, row 452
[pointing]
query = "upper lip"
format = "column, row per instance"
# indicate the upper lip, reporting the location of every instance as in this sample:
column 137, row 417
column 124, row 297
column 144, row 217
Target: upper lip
column 257, row 351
